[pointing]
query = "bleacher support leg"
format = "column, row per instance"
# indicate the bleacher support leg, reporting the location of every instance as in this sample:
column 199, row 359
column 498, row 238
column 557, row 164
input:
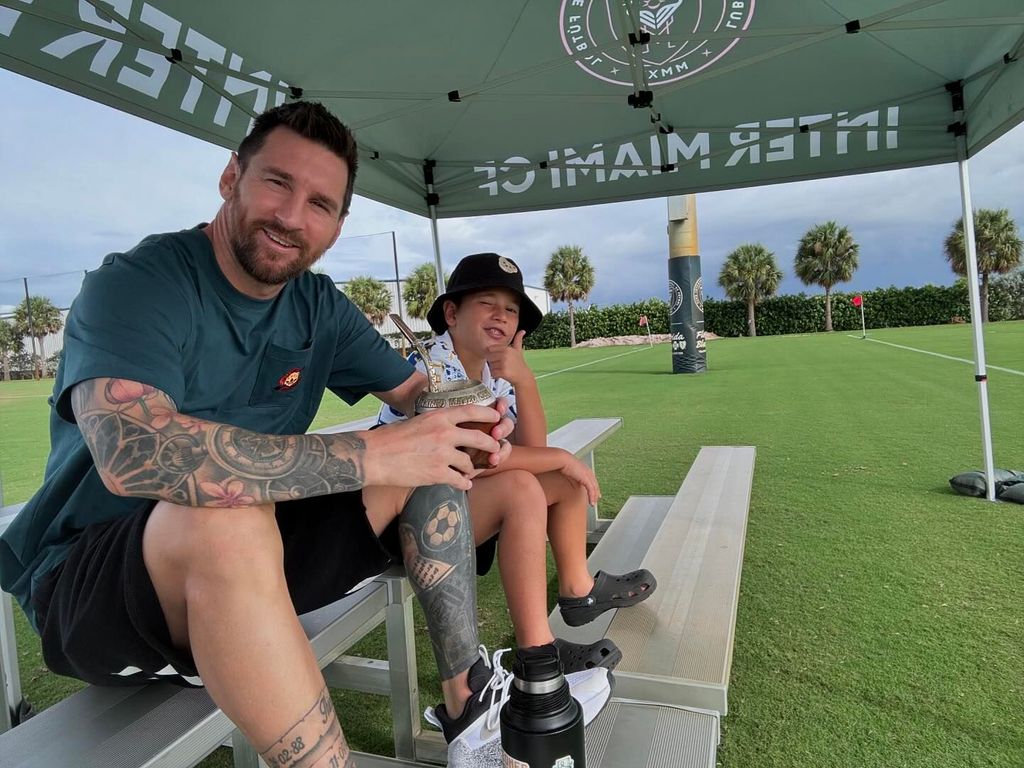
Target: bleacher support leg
column 244, row 755
column 405, row 694
column 595, row 525
column 10, row 679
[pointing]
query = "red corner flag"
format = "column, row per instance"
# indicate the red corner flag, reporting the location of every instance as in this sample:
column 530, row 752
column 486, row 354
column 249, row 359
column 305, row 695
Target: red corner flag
column 643, row 320
column 857, row 300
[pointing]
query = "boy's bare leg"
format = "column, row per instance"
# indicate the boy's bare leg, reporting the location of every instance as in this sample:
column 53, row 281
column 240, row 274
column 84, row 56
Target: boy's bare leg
column 219, row 576
column 513, row 502
column 567, row 531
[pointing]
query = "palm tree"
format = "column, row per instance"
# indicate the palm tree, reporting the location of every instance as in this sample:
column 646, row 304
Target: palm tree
column 569, row 277
column 371, row 296
column 43, row 320
column 826, row 255
column 998, row 245
column 420, row 290
column 750, row 274
column 10, row 344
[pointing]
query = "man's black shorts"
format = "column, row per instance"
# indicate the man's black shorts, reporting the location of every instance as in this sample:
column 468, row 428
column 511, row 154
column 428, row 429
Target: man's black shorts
column 100, row 618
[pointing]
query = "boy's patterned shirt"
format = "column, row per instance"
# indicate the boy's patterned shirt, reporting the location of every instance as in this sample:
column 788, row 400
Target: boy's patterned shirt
column 441, row 350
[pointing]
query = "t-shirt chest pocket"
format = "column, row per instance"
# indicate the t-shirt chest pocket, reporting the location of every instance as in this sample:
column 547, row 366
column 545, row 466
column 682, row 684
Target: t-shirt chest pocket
column 279, row 380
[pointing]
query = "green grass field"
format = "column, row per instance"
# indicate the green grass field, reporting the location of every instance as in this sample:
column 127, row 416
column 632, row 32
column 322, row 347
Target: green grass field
column 880, row 614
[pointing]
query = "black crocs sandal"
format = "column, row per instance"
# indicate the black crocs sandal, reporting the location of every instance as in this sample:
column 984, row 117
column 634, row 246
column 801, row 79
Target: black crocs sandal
column 576, row 657
column 610, row 591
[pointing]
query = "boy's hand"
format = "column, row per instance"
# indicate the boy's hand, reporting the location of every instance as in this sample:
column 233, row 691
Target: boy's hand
column 583, row 475
column 501, row 431
column 507, row 361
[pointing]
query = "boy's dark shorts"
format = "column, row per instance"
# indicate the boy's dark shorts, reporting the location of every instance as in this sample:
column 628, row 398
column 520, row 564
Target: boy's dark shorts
column 101, row 621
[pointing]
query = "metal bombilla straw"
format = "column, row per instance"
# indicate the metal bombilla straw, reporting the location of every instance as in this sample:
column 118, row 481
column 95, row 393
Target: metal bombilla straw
column 433, row 368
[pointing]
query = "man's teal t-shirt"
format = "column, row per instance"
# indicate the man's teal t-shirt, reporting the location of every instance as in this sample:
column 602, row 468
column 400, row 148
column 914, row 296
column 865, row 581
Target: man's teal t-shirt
column 163, row 314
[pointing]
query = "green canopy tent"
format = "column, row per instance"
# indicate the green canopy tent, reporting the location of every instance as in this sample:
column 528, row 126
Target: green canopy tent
column 465, row 108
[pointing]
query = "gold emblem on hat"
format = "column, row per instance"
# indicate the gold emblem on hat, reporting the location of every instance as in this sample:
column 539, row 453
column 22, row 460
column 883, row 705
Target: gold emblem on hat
column 507, row 265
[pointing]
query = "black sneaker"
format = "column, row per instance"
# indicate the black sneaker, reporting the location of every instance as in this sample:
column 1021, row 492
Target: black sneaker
column 473, row 736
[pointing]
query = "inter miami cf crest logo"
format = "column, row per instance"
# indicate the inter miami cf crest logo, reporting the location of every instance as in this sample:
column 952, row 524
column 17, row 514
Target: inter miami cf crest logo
column 675, row 297
column 682, row 44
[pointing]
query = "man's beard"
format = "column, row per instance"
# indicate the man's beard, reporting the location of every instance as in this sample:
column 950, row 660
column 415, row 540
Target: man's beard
column 267, row 270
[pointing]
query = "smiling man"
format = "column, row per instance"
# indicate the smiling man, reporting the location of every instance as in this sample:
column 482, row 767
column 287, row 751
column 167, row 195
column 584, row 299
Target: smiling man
column 186, row 518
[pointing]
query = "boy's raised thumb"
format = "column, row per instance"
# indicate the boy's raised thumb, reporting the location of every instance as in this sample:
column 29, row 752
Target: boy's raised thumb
column 517, row 342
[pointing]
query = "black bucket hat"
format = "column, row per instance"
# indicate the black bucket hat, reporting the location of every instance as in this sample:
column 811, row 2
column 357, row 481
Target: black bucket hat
column 480, row 272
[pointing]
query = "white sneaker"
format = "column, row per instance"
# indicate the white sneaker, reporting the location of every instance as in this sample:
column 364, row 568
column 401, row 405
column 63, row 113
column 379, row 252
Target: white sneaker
column 591, row 688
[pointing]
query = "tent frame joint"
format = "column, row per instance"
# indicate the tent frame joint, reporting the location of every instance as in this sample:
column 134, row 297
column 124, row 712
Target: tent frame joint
column 641, row 99
column 955, row 89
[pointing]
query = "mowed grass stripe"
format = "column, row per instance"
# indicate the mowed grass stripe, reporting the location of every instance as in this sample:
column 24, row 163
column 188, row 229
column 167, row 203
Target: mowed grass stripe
column 937, row 354
column 592, row 362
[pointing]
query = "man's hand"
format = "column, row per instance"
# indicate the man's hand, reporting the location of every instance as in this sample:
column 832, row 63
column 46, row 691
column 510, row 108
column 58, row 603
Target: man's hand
column 507, row 361
column 424, row 450
column 583, row 475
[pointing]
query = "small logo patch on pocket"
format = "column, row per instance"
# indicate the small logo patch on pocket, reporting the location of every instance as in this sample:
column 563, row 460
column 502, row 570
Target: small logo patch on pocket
column 289, row 380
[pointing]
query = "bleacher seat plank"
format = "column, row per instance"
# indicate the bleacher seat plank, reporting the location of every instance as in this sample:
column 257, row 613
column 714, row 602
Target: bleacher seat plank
column 581, row 436
column 677, row 646
column 631, row 733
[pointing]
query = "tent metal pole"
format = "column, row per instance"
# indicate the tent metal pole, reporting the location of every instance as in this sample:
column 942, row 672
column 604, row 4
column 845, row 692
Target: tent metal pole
column 433, row 199
column 437, row 251
column 973, row 293
column 398, row 280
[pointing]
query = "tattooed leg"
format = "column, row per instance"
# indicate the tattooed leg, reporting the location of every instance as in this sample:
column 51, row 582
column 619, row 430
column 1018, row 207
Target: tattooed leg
column 440, row 560
column 315, row 740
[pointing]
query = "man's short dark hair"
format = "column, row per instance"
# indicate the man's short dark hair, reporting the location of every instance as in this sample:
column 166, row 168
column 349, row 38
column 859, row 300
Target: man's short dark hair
column 312, row 121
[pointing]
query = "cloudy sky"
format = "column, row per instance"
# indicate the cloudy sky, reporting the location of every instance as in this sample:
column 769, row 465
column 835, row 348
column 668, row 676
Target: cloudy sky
column 81, row 180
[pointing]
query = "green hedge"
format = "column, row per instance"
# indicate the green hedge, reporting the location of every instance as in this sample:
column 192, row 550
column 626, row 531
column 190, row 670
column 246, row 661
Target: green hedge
column 884, row 308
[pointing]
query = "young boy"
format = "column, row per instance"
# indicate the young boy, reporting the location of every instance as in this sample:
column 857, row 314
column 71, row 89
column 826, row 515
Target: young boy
column 481, row 321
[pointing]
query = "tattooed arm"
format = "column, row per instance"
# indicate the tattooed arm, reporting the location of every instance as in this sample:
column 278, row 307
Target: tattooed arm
column 144, row 447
